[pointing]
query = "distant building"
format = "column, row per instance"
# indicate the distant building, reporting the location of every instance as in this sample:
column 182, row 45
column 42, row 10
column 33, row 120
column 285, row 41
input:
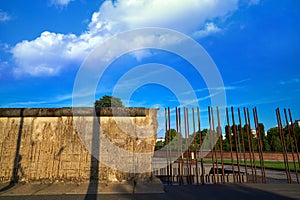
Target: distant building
column 253, row 131
column 160, row 139
column 297, row 123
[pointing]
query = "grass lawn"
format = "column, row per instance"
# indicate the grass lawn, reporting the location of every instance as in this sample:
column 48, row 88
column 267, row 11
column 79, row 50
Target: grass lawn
column 279, row 165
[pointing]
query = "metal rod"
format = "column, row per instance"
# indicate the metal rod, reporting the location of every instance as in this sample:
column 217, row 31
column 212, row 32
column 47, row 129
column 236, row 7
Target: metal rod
column 186, row 141
column 215, row 140
column 188, row 145
column 200, row 145
column 170, row 149
column 167, row 144
column 195, row 147
column 230, row 144
column 294, row 136
column 180, row 142
column 243, row 144
column 211, row 143
column 236, row 145
column 249, row 143
column 189, row 149
column 284, row 152
column 259, row 141
column 219, row 131
column 291, row 144
column 178, row 147
column 252, row 145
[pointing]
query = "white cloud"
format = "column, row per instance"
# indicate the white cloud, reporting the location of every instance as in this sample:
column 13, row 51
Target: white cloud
column 253, row 2
column 210, row 28
column 141, row 54
column 180, row 15
column 4, row 16
column 48, row 54
column 290, row 81
column 60, row 3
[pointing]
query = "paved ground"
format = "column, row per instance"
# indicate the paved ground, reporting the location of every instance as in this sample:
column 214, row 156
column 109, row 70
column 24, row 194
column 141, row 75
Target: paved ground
column 152, row 191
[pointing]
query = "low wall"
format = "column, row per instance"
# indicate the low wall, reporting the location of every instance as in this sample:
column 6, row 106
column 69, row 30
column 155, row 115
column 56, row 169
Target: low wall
column 270, row 156
column 56, row 144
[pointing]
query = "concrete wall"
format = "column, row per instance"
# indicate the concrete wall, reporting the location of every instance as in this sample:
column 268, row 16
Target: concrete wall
column 53, row 145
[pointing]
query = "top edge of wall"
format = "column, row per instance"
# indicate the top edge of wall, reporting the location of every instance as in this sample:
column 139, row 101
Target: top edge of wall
column 88, row 111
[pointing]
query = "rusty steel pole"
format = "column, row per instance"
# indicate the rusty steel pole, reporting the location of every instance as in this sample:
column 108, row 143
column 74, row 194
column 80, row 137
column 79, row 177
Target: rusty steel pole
column 219, row 131
column 215, row 142
column 259, row 141
column 186, row 142
column 294, row 136
column 181, row 152
column 230, row 145
column 236, row 145
column 291, row 144
column 170, row 149
column 188, row 145
column 195, row 147
column 252, row 146
column 200, row 146
column 249, row 143
column 178, row 146
column 284, row 151
column 167, row 144
column 243, row 144
column 211, row 143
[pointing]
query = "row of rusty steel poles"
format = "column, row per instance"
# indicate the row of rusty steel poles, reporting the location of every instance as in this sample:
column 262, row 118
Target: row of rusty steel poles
column 236, row 137
column 292, row 142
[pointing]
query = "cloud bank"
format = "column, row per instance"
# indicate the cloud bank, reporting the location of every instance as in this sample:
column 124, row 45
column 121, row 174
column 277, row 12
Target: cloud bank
column 48, row 54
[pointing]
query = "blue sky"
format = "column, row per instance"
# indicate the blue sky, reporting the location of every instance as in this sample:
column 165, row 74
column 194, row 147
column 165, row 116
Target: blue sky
column 255, row 45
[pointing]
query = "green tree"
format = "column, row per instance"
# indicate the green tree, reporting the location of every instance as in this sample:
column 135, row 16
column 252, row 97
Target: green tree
column 170, row 135
column 265, row 144
column 225, row 145
column 228, row 134
column 297, row 132
column 174, row 140
column 159, row 144
column 108, row 101
column 274, row 139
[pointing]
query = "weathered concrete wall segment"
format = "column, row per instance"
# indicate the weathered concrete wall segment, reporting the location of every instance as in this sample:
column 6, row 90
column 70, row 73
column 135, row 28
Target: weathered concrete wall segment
column 41, row 144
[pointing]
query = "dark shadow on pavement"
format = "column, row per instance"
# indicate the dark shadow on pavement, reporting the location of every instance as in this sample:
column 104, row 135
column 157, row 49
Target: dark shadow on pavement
column 191, row 192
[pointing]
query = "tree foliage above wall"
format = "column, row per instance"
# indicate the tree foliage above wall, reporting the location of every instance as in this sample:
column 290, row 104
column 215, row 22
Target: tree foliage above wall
column 108, row 101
